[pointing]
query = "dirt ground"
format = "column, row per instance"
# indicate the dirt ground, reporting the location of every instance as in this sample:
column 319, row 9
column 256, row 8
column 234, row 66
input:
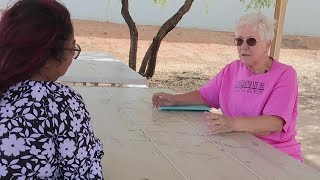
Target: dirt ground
column 189, row 57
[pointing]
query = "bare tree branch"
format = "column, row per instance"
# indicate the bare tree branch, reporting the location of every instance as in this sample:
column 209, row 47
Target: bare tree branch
column 133, row 34
column 151, row 55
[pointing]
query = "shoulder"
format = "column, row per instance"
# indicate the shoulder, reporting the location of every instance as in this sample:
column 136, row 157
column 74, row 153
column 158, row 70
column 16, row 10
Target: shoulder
column 68, row 101
column 51, row 90
column 283, row 74
column 284, row 69
column 234, row 63
column 232, row 67
column 68, row 91
column 58, row 89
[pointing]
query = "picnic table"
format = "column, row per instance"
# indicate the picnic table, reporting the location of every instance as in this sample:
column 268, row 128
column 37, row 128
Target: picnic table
column 142, row 143
column 101, row 68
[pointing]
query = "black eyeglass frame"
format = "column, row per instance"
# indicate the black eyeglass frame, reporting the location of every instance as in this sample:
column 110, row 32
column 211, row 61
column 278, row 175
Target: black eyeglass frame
column 251, row 41
column 76, row 49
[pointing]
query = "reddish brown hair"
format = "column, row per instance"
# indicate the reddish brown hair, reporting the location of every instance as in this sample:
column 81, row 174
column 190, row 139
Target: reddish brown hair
column 31, row 32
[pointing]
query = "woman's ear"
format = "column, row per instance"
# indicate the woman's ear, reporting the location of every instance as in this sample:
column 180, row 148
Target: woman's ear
column 48, row 65
column 268, row 46
column 51, row 64
column 269, row 43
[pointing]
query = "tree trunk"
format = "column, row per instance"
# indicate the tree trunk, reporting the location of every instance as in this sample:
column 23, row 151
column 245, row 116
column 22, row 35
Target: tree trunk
column 133, row 34
column 152, row 52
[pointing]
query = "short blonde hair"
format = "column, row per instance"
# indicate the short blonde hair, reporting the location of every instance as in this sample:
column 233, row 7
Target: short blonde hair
column 264, row 25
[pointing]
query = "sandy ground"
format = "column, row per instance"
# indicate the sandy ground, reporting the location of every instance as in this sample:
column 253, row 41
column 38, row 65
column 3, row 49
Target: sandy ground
column 188, row 58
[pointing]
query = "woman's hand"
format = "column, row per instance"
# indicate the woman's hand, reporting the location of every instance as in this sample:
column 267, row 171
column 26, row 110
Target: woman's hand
column 218, row 123
column 162, row 99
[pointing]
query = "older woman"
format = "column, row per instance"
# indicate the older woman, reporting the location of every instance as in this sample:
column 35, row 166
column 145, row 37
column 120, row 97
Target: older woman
column 255, row 93
column 45, row 129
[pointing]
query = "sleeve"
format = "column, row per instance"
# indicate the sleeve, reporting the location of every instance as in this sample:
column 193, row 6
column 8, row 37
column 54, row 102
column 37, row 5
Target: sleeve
column 284, row 98
column 211, row 90
column 80, row 152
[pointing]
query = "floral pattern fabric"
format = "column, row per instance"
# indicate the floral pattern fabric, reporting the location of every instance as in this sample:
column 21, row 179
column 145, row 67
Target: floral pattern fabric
column 46, row 133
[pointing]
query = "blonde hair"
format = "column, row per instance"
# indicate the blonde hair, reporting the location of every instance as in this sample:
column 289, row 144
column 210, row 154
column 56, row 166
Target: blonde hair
column 264, row 25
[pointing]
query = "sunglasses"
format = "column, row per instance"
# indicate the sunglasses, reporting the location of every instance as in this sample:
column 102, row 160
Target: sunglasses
column 76, row 49
column 250, row 41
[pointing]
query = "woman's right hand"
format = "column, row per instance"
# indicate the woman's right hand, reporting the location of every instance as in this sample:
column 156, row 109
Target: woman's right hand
column 162, row 99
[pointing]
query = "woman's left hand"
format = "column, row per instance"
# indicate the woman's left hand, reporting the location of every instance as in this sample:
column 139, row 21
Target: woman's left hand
column 218, row 123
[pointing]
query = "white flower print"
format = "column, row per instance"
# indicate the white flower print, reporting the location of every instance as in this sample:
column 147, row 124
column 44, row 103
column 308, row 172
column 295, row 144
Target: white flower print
column 82, row 153
column 7, row 111
column 16, row 87
column 53, row 107
column 31, row 83
column 49, row 149
column 53, row 87
column 67, row 148
column 65, row 91
column 12, row 145
column 3, row 170
column 91, row 152
column 76, row 124
column 34, row 150
column 90, row 127
column 21, row 178
column 3, row 102
column 7, row 94
column 38, row 92
column 83, row 169
column 3, row 129
column 29, row 141
column 81, row 112
column 21, row 102
column 63, row 116
column 73, row 103
column 46, row 171
column 99, row 146
column 96, row 168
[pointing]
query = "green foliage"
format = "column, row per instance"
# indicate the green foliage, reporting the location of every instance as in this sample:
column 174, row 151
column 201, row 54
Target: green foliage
column 209, row 3
column 162, row 3
column 258, row 4
column 250, row 4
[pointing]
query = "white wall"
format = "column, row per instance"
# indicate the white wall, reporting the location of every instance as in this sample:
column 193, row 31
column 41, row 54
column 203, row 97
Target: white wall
column 301, row 18
column 88, row 9
column 204, row 14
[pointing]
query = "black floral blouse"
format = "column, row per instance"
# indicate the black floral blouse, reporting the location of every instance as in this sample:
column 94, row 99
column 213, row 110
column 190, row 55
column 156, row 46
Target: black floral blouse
column 46, row 133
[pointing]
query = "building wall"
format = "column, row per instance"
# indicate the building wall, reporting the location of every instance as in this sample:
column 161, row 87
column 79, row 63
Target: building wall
column 218, row 15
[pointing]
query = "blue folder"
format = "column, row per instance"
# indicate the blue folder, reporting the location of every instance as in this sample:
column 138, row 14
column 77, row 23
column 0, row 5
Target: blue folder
column 185, row 108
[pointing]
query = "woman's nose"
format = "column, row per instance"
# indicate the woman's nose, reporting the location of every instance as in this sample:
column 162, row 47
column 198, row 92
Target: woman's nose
column 244, row 45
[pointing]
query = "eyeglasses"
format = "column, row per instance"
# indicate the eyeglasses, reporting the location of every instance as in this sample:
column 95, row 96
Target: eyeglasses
column 76, row 50
column 250, row 41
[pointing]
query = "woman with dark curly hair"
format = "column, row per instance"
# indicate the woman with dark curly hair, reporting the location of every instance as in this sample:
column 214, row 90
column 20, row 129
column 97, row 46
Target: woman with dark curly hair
column 45, row 129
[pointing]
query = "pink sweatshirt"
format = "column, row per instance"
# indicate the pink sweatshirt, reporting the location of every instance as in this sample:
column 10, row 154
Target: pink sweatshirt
column 241, row 93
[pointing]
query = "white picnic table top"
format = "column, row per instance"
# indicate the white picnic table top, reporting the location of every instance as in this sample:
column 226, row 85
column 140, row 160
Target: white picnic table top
column 142, row 143
column 101, row 68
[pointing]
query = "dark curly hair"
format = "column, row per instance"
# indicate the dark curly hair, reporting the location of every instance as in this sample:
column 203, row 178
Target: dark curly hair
column 31, row 32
